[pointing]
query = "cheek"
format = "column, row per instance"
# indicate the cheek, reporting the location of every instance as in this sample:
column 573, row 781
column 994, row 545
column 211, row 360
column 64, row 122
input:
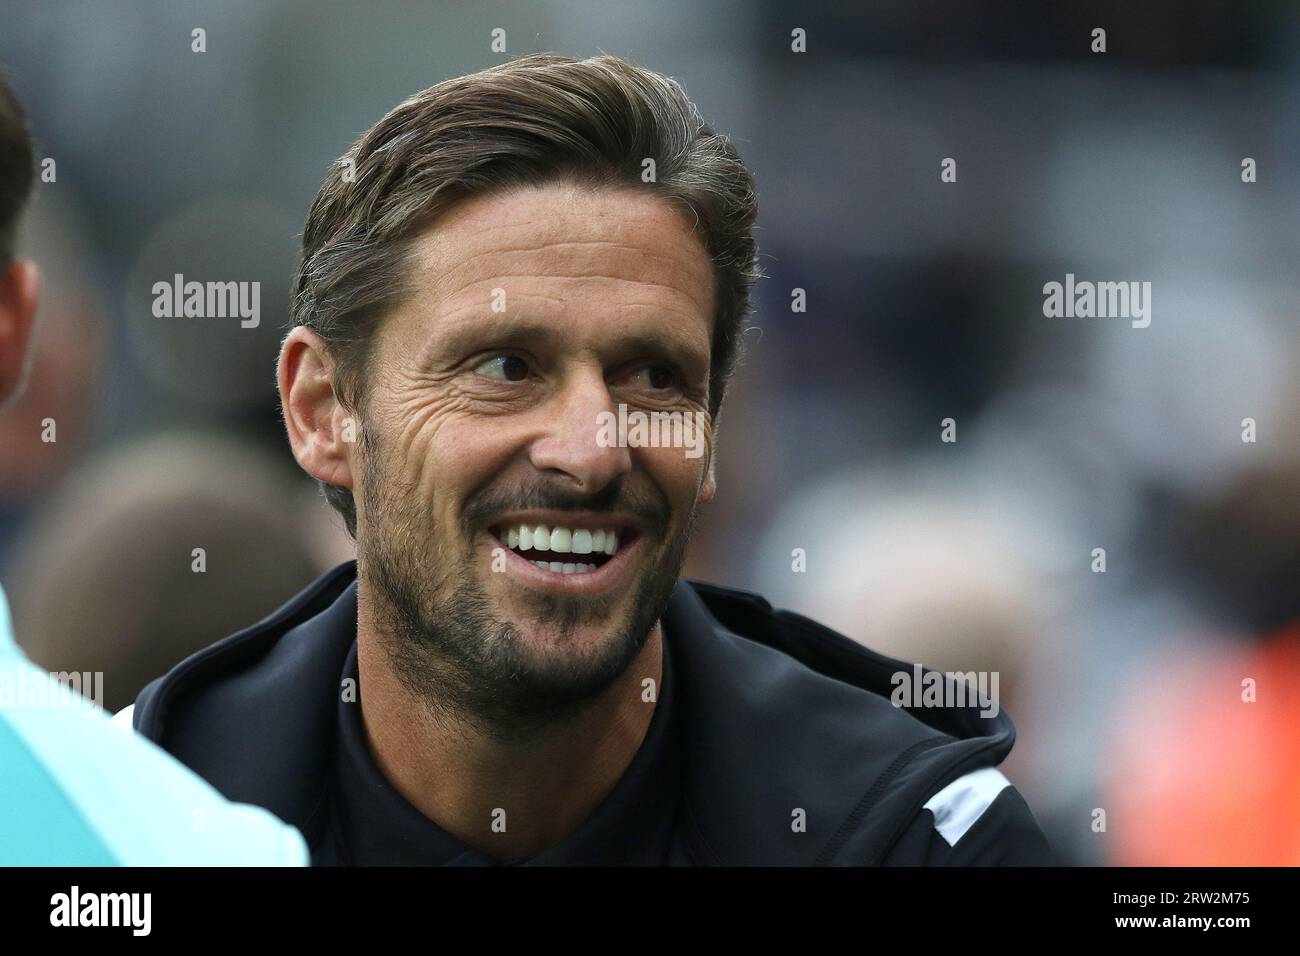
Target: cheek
column 446, row 453
column 678, row 477
column 425, row 440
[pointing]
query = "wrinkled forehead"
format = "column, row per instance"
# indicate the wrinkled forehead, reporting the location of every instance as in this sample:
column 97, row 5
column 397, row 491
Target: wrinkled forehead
column 589, row 262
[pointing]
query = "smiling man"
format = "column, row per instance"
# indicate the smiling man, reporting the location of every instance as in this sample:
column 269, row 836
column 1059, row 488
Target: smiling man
column 512, row 670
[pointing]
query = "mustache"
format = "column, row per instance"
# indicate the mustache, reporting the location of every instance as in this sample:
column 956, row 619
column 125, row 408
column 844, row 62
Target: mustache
column 652, row 510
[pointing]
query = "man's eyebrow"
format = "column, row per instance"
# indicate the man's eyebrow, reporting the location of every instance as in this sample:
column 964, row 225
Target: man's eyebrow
column 522, row 332
column 467, row 337
column 681, row 352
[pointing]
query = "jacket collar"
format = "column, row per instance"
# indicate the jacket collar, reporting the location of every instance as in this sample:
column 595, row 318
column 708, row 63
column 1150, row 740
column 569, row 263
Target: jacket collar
column 782, row 720
column 254, row 714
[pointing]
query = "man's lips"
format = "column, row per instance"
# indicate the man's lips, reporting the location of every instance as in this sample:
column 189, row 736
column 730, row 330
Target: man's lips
column 579, row 552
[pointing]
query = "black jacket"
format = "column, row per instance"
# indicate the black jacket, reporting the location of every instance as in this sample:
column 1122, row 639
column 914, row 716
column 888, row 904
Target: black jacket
column 782, row 715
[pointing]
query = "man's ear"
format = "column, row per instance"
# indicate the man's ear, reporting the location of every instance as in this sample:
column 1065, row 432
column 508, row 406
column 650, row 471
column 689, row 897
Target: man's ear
column 20, row 286
column 322, row 432
column 710, row 485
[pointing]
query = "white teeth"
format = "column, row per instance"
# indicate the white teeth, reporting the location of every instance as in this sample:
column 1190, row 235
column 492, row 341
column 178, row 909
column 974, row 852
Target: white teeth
column 565, row 567
column 562, row 540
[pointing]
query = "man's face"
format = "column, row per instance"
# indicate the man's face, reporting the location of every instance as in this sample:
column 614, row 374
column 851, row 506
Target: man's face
column 534, row 312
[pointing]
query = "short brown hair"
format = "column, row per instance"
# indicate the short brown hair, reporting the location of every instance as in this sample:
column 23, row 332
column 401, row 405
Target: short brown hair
column 17, row 168
column 530, row 122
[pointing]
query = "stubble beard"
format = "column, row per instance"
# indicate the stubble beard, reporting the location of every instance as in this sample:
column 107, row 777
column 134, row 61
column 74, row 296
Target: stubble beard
column 450, row 649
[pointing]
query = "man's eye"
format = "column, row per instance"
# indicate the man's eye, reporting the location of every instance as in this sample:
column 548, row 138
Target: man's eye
column 504, row 368
column 655, row 377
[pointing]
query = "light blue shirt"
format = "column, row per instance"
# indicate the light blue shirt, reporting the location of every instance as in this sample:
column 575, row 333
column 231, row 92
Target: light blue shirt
column 78, row 790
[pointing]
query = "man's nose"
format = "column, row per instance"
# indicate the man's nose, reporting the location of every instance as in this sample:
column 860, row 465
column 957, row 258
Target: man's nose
column 574, row 442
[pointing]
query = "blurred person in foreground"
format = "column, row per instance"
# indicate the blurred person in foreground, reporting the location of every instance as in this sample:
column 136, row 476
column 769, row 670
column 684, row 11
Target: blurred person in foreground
column 76, row 790
column 513, row 670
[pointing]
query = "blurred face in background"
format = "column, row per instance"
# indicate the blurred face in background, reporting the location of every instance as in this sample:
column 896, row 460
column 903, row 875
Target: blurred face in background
column 534, row 312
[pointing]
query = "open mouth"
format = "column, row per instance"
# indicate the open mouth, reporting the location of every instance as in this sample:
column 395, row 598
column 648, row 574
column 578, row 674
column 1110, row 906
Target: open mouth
column 565, row 550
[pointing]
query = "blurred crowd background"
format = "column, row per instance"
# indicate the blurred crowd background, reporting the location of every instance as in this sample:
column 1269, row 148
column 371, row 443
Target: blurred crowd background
column 924, row 302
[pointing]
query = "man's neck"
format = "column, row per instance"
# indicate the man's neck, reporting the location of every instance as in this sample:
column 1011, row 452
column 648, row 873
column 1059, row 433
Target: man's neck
column 509, row 799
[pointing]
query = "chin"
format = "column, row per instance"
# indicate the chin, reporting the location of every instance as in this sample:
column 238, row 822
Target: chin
column 565, row 625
